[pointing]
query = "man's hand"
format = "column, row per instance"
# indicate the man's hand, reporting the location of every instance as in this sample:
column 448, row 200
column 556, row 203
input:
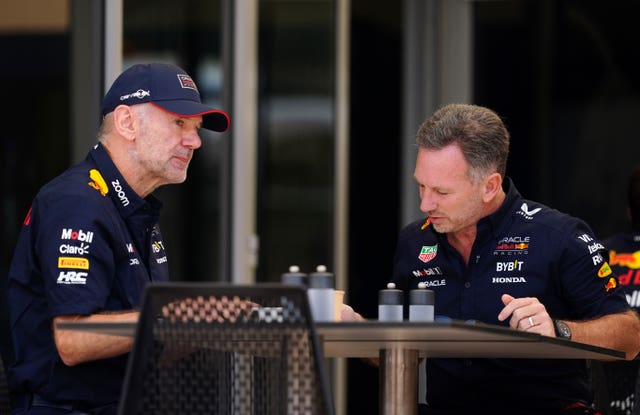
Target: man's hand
column 348, row 314
column 527, row 314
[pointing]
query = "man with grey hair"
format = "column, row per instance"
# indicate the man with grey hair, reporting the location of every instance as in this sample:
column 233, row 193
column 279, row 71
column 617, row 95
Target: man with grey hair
column 91, row 241
column 492, row 256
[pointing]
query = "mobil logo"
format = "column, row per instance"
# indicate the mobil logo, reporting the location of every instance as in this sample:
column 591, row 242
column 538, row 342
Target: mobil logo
column 77, row 235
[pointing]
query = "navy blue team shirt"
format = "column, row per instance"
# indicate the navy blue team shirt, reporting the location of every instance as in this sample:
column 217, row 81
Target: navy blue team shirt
column 89, row 244
column 524, row 249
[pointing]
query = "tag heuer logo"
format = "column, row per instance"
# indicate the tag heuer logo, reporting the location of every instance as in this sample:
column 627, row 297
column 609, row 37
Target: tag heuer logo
column 427, row 253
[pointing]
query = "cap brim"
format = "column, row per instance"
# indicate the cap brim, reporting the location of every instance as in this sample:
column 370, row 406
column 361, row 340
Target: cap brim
column 212, row 119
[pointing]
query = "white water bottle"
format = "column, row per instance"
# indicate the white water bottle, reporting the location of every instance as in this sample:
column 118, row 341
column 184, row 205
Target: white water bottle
column 421, row 303
column 390, row 303
column 320, row 292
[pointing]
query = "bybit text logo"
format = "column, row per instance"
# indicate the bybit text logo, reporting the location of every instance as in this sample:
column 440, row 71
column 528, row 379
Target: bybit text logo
column 509, row 266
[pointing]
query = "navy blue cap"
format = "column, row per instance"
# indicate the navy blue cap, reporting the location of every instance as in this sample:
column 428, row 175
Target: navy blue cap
column 168, row 87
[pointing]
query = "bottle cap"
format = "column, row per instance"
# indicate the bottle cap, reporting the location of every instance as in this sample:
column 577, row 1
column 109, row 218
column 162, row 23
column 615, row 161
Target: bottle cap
column 390, row 295
column 421, row 296
column 294, row 276
column 321, row 278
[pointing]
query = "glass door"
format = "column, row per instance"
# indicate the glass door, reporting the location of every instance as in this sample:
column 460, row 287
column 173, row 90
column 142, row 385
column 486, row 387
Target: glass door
column 190, row 35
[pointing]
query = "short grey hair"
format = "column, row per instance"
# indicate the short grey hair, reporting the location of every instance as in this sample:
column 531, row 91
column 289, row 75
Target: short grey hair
column 477, row 131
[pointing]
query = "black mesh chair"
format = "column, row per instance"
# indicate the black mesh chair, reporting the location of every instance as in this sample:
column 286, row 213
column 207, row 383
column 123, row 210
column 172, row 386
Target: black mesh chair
column 224, row 349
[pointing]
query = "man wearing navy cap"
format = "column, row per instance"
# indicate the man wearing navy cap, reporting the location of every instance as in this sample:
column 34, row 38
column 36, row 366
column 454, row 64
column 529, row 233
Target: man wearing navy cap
column 91, row 241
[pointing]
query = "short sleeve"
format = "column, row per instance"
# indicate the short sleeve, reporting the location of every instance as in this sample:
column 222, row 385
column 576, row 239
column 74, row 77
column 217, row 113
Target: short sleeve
column 589, row 284
column 75, row 254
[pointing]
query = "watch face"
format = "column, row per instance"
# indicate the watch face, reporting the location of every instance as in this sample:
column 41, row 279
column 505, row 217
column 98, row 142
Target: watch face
column 562, row 330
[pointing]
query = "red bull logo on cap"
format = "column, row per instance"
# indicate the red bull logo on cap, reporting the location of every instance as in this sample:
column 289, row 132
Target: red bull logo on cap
column 187, row 82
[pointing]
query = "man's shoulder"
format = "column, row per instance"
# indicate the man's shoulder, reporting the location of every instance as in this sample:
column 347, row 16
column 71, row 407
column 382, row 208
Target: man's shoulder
column 557, row 232
column 79, row 191
column 545, row 217
column 80, row 181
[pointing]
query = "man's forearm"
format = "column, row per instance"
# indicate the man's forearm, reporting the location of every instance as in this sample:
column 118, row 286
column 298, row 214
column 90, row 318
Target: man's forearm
column 75, row 347
column 619, row 331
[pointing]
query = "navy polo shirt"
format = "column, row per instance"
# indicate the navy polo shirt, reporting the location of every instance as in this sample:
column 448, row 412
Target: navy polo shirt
column 89, row 244
column 524, row 249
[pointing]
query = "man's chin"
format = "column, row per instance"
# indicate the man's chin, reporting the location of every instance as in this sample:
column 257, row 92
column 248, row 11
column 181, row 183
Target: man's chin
column 177, row 179
column 441, row 228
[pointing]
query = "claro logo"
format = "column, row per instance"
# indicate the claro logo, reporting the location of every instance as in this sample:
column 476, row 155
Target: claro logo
column 117, row 187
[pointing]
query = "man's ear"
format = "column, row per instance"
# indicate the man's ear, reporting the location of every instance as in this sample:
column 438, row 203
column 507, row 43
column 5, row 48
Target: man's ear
column 492, row 186
column 124, row 122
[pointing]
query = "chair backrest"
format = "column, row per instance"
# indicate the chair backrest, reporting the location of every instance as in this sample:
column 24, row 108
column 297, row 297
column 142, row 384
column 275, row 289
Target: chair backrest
column 616, row 387
column 225, row 349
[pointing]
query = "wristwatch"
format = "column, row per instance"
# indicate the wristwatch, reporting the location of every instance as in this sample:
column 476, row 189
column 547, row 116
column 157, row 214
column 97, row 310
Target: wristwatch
column 562, row 330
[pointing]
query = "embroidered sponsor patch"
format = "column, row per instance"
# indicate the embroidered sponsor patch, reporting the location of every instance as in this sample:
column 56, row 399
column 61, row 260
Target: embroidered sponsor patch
column 140, row 94
column 77, row 235
column 427, row 253
column 97, row 182
column 72, row 278
column 187, row 82
column 604, row 271
column 526, row 213
column 73, row 262
column 611, row 284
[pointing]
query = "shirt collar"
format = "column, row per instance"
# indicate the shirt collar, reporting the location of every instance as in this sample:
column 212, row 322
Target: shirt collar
column 122, row 195
column 494, row 222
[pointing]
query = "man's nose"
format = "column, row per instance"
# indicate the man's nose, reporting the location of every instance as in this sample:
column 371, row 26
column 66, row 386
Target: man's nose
column 192, row 140
column 427, row 202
